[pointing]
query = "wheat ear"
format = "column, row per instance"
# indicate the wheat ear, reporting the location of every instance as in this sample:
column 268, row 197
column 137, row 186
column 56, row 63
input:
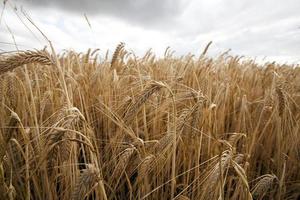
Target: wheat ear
column 134, row 108
column 145, row 166
column 281, row 100
column 117, row 53
column 8, row 134
column 218, row 171
column 23, row 58
column 182, row 197
column 122, row 163
column 263, row 185
column 87, row 180
column 164, row 143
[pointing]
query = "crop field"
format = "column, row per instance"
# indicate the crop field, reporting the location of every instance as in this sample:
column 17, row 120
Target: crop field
column 84, row 126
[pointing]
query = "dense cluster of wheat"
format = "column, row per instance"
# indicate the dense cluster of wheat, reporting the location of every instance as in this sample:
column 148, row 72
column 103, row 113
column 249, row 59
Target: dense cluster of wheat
column 74, row 126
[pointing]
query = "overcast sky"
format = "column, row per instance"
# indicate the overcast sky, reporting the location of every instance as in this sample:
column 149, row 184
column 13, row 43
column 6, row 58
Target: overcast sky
column 253, row 28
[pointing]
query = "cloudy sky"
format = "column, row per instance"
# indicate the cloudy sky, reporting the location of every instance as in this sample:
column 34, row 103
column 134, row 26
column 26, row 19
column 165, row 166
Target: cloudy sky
column 253, row 28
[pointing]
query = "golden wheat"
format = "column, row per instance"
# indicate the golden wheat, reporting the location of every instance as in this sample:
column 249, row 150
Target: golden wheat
column 153, row 128
column 22, row 58
column 86, row 181
column 264, row 184
column 116, row 54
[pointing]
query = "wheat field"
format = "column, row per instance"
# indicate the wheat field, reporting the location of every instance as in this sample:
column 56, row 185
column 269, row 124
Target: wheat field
column 77, row 126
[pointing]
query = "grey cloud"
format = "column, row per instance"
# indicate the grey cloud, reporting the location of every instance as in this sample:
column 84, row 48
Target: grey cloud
column 142, row 12
column 254, row 28
column 265, row 27
column 236, row 15
column 268, row 42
